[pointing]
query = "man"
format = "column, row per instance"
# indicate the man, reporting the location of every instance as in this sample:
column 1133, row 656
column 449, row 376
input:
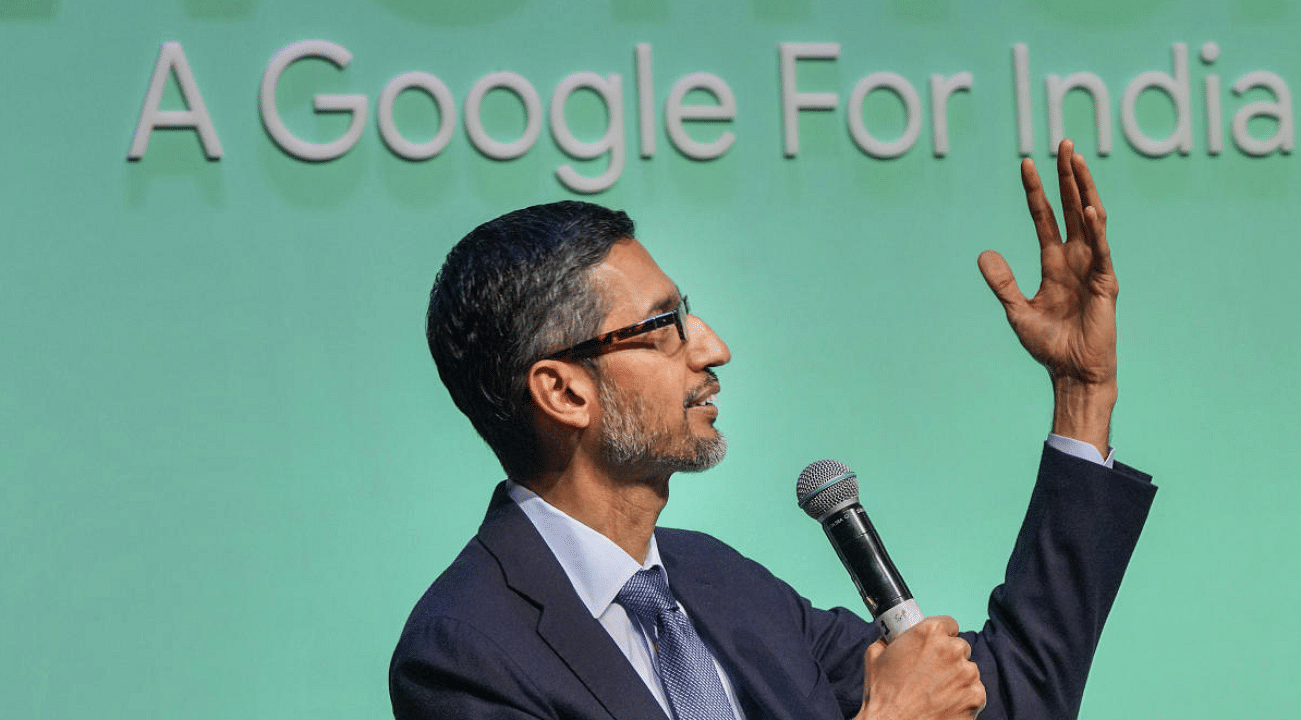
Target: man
column 579, row 362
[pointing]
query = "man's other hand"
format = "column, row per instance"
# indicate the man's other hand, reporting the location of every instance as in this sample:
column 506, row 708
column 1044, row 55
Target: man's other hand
column 1070, row 324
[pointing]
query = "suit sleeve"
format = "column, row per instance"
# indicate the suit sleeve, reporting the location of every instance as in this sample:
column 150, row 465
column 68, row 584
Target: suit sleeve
column 839, row 638
column 1046, row 618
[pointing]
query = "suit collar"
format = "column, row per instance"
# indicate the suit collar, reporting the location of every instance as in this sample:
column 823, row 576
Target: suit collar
column 564, row 623
column 595, row 565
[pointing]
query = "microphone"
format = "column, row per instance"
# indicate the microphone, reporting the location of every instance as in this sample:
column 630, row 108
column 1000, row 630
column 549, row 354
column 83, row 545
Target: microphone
column 828, row 492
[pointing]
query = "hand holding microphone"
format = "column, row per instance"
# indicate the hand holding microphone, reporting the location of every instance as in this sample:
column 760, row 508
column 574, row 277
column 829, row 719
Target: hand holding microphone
column 925, row 674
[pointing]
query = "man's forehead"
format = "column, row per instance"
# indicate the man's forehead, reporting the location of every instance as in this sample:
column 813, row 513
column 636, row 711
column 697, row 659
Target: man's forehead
column 633, row 282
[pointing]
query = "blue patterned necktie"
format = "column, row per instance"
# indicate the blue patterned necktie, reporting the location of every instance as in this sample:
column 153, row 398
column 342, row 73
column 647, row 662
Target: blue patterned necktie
column 686, row 668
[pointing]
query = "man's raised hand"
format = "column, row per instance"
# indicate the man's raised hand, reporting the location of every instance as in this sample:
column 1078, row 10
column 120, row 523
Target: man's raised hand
column 1070, row 324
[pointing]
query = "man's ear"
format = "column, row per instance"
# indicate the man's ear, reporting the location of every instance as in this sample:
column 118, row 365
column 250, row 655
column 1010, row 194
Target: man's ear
column 564, row 392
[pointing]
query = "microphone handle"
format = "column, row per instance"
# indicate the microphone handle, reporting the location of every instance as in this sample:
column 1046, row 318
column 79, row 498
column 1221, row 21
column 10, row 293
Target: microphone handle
column 878, row 581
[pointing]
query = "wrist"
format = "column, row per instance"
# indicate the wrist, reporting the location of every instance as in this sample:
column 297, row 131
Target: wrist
column 1082, row 411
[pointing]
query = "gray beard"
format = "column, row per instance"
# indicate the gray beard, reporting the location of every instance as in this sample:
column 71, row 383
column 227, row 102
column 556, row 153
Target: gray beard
column 627, row 442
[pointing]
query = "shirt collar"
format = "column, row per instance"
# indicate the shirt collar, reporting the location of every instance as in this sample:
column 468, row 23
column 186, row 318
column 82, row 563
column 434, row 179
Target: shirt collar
column 594, row 564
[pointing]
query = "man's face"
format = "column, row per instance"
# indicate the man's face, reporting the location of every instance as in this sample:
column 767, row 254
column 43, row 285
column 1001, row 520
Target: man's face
column 656, row 392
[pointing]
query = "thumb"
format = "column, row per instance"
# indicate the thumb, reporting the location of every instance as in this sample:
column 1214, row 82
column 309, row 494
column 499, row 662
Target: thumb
column 874, row 650
column 869, row 659
column 999, row 277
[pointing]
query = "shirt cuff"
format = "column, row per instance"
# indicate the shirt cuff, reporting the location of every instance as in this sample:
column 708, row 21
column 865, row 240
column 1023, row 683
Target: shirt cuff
column 1082, row 450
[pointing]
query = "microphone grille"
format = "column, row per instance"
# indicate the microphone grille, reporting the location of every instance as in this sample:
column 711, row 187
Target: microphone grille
column 826, row 486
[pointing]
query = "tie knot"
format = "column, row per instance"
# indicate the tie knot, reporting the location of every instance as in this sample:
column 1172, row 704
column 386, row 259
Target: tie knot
column 646, row 595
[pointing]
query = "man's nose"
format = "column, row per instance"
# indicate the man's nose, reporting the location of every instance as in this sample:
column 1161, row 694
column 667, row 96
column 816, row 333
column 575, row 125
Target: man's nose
column 706, row 347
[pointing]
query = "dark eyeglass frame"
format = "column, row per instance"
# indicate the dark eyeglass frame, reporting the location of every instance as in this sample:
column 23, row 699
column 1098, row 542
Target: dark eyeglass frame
column 597, row 345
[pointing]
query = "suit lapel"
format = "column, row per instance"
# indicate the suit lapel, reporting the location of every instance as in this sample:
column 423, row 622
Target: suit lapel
column 564, row 622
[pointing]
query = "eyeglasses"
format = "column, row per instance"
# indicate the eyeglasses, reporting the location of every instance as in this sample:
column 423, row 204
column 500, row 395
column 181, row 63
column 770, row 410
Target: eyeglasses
column 677, row 316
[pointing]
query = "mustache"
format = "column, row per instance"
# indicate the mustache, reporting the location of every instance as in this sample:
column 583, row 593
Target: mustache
column 708, row 386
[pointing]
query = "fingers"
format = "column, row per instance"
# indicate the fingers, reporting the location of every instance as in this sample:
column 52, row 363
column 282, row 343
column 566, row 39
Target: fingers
column 1041, row 212
column 1088, row 190
column 1101, row 250
column 1095, row 217
column 1072, row 209
column 944, row 623
column 949, row 627
column 1000, row 279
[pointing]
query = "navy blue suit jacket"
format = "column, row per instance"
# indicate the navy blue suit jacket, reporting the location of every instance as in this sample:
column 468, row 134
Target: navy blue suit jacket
column 502, row 634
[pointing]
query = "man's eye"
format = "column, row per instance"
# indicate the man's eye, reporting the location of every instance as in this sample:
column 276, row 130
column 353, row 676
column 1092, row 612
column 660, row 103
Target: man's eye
column 667, row 337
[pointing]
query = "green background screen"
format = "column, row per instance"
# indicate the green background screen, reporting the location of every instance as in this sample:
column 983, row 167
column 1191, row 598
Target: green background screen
column 229, row 468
